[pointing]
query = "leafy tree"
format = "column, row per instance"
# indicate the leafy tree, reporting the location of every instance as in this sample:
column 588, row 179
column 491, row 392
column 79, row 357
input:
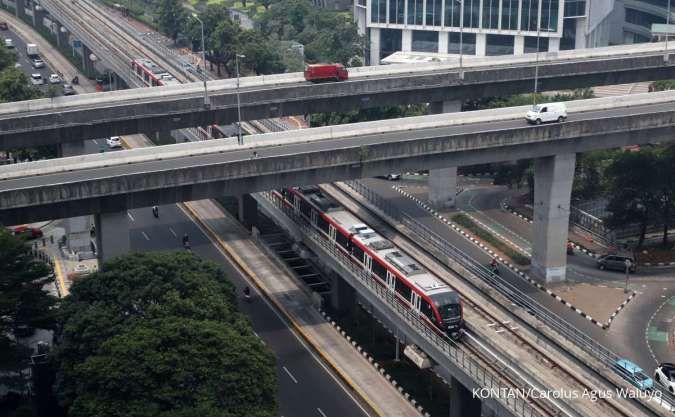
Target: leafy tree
column 225, row 44
column 7, row 58
column 589, row 177
column 160, row 335
column 370, row 114
column 261, row 55
column 525, row 99
column 22, row 302
column 14, row 86
column 172, row 17
column 212, row 16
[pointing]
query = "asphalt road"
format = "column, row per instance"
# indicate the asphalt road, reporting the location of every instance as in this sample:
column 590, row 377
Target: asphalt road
column 119, row 168
column 306, row 388
column 26, row 64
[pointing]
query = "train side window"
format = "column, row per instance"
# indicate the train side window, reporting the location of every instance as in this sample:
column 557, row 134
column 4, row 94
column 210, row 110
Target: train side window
column 342, row 240
column 403, row 289
column 427, row 310
column 379, row 270
column 357, row 252
column 322, row 223
column 305, row 209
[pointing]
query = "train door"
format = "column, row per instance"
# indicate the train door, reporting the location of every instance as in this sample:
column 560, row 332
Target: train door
column 391, row 281
column 416, row 301
column 367, row 262
column 331, row 232
column 313, row 216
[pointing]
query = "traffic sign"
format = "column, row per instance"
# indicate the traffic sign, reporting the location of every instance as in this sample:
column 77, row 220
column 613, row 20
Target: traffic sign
column 77, row 43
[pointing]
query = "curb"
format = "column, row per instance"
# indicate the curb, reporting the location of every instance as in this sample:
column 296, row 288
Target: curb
column 512, row 267
column 376, row 365
column 308, row 339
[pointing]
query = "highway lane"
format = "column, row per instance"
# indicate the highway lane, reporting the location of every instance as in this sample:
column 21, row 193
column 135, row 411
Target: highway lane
column 118, row 167
column 306, row 387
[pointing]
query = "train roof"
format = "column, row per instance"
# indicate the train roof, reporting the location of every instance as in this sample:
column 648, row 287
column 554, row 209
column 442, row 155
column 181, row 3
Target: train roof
column 151, row 66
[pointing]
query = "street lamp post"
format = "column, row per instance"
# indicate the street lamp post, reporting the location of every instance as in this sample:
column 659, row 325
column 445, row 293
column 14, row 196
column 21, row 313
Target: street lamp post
column 666, row 57
column 206, row 93
column 628, row 264
column 461, row 39
column 240, row 139
column 536, row 61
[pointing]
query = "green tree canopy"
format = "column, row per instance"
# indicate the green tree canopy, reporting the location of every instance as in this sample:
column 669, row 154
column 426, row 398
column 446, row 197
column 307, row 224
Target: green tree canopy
column 23, row 301
column 172, row 17
column 14, row 86
column 147, row 299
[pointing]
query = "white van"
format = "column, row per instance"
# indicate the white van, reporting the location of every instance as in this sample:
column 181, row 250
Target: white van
column 547, row 112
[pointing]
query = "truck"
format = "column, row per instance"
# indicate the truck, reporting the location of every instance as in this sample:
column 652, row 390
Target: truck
column 32, row 51
column 325, row 72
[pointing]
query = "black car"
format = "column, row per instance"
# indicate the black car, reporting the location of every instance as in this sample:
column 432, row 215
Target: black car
column 616, row 262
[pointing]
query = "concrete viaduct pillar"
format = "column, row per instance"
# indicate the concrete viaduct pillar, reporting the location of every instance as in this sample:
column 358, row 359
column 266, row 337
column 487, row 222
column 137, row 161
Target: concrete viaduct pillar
column 61, row 35
column 462, row 403
column 247, row 210
column 87, row 63
column 553, row 177
column 112, row 235
column 374, row 46
column 20, row 9
column 342, row 296
column 443, row 181
column 38, row 15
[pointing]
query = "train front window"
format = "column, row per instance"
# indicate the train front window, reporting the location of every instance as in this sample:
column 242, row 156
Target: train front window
column 448, row 305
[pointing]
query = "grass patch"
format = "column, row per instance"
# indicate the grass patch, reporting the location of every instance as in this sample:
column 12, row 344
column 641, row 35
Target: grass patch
column 208, row 2
column 464, row 221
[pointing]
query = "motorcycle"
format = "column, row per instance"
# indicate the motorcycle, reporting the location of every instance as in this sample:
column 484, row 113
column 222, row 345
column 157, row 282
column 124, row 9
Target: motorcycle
column 247, row 294
column 155, row 212
column 75, row 80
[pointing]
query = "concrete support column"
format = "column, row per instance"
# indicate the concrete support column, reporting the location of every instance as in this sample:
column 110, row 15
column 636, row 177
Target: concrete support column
column 20, row 8
column 448, row 106
column 486, row 411
column 580, row 34
column 87, row 63
column 553, row 177
column 342, row 296
column 481, row 44
column 61, row 36
column 163, row 137
column 374, row 46
column 443, row 187
column 38, row 15
column 77, row 228
column 112, row 235
column 442, row 42
column 247, row 210
column 518, row 45
column 406, row 41
column 553, row 44
column 462, row 403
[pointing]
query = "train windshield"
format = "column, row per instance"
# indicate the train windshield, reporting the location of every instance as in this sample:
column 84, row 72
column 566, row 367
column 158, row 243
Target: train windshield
column 448, row 305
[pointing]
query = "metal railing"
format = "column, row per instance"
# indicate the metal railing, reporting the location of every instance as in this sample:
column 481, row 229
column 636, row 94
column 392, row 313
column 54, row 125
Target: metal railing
column 513, row 294
column 484, row 377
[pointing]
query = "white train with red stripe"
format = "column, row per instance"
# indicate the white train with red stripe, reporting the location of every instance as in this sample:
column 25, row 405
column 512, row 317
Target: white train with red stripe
column 152, row 74
column 415, row 287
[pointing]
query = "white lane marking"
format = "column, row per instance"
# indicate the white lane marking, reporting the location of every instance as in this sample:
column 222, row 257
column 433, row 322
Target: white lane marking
column 130, row 216
column 172, row 232
column 321, row 412
column 145, row 236
column 95, row 142
column 259, row 338
column 290, row 374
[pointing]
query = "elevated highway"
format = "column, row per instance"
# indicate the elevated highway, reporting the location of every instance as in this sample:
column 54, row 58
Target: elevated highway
column 60, row 120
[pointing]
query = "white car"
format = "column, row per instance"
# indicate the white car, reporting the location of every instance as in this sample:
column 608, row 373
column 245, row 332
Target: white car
column 114, row 142
column 36, row 79
column 547, row 112
column 9, row 43
column 54, row 79
column 665, row 375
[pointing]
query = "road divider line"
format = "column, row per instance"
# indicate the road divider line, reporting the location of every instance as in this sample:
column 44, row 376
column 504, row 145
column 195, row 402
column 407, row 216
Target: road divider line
column 172, row 232
column 321, row 412
column 145, row 235
column 290, row 375
column 130, row 216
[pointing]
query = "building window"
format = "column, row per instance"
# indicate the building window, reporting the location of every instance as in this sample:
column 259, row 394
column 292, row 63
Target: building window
column 390, row 41
column 378, row 11
column 424, row 41
column 569, row 35
column 468, row 43
column 415, row 12
column 396, row 11
column 574, row 8
column 490, row 14
column 433, row 17
column 499, row 45
column 452, row 11
column 549, row 15
column 528, row 16
column 510, row 14
column 471, row 13
column 639, row 18
column 531, row 44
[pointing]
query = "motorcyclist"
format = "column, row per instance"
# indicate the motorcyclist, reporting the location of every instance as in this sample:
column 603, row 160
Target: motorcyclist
column 247, row 293
column 186, row 240
column 493, row 265
column 155, row 211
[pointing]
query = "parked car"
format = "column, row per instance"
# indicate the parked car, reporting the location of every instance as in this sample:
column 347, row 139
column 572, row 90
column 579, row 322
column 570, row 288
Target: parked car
column 633, row 374
column 54, row 79
column 4, row 26
column 548, row 112
column 393, row 177
column 114, row 142
column 37, row 63
column 36, row 79
column 26, row 231
column 9, row 43
column 665, row 375
column 615, row 262
column 68, row 90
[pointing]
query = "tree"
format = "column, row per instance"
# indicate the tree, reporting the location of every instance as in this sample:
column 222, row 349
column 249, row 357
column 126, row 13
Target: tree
column 365, row 115
column 261, row 55
column 7, row 58
column 160, row 335
column 23, row 302
column 172, row 17
column 14, row 86
column 225, row 44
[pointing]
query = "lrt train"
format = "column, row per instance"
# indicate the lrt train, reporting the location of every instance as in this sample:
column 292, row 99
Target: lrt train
column 152, row 74
column 416, row 288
